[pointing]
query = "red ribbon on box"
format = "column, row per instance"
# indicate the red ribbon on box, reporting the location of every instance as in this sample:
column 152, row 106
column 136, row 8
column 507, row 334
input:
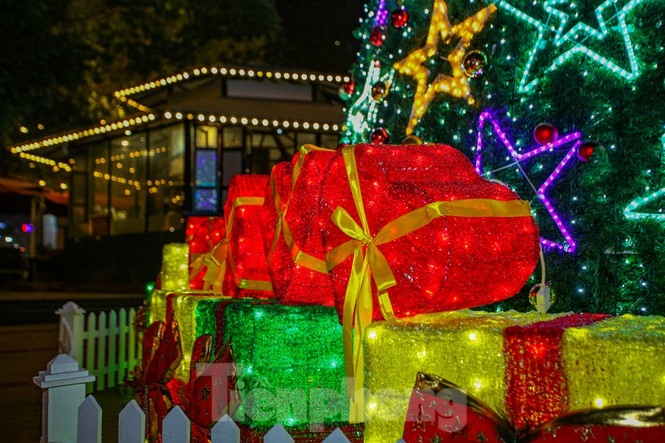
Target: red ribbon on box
column 162, row 353
column 536, row 388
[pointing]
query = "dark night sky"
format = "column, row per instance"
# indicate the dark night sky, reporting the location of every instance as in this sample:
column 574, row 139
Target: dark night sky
column 320, row 33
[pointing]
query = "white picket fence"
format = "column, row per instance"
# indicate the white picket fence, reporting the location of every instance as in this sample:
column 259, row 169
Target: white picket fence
column 175, row 427
column 69, row 416
column 105, row 344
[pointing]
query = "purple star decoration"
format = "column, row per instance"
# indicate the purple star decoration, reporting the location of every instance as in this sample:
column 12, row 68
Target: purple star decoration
column 574, row 137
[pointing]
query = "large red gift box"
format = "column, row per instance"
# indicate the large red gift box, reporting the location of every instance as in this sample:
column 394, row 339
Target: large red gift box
column 432, row 233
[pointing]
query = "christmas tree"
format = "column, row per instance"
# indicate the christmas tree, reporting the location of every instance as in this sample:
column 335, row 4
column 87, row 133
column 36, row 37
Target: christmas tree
column 561, row 100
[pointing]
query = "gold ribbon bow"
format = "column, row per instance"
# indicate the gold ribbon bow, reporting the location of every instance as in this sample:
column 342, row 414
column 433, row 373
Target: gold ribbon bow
column 221, row 254
column 369, row 262
column 299, row 257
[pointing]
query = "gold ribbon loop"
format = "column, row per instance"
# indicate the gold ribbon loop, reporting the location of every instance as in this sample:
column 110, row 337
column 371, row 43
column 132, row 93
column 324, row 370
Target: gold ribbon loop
column 216, row 262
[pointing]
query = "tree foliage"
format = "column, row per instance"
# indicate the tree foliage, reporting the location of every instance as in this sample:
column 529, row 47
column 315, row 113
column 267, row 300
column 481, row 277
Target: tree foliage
column 63, row 59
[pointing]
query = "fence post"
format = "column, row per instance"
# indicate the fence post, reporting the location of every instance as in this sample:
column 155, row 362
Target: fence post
column 71, row 330
column 63, row 383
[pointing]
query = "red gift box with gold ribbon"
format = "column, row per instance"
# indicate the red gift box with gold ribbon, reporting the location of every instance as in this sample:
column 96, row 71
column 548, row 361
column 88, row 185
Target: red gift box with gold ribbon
column 296, row 258
column 202, row 234
column 414, row 229
column 237, row 266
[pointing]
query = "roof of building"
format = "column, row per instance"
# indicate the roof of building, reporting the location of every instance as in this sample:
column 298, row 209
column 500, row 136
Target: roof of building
column 244, row 96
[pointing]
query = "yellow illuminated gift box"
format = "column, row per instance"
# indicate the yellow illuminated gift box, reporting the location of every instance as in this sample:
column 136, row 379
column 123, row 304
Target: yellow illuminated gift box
column 529, row 367
column 195, row 312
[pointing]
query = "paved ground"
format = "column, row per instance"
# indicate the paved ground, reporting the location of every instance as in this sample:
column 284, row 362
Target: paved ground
column 24, row 351
column 28, row 341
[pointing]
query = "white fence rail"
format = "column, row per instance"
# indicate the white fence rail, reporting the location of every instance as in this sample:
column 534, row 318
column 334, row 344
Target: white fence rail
column 175, row 427
column 69, row 416
column 106, row 344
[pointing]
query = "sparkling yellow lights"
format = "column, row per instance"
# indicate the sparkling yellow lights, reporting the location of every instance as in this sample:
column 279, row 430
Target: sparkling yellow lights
column 103, row 128
column 242, row 73
column 255, row 121
column 441, row 31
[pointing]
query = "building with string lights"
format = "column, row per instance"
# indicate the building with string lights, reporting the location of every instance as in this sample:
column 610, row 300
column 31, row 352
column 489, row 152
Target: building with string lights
column 132, row 182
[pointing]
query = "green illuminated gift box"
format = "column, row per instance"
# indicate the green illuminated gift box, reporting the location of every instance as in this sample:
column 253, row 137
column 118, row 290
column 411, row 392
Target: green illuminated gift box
column 528, row 367
column 290, row 363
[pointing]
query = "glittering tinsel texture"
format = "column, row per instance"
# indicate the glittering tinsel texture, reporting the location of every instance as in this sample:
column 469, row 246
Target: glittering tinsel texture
column 304, row 433
column 440, row 411
column 202, row 235
column 157, row 306
column 309, row 282
column 278, row 253
column 537, row 388
column 184, row 308
column 246, row 264
column 175, row 267
column 615, row 361
column 619, row 361
column 290, row 364
column 453, row 262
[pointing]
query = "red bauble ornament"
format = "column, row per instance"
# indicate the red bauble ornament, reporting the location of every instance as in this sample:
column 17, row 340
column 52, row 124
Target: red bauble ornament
column 399, row 18
column 378, row 35
column 585, row 150
column 545, row 133
column 380, row 136
column 349, row 87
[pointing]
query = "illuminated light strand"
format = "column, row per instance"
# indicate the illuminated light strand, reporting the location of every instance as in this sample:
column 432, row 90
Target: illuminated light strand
column 381, row 15
column 128, row 123
column 362, row 114
column 45, row 161
column 571, row 36
column 150, row 185
column 574, row 137
column 85, row 133
column 456, row 85
column 629, row 211
column 231, row 72
column 255, row 121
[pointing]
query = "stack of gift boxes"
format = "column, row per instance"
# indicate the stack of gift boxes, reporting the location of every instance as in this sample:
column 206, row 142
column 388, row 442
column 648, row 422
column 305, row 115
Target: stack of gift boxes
column 337, row 284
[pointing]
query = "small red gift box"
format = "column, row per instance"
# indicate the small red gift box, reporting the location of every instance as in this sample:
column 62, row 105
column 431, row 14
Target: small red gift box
column 202, row 234
column 296, row 257
column 237, row 266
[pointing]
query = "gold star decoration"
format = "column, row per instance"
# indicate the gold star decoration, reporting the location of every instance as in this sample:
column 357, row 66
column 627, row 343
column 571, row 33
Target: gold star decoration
column 441, row 30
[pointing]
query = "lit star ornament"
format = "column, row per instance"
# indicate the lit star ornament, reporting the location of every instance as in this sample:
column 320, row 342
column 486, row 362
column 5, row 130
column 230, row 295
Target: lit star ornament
column 564, row 36
column 441, row 30
column 575, row 138
column 631, row 213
